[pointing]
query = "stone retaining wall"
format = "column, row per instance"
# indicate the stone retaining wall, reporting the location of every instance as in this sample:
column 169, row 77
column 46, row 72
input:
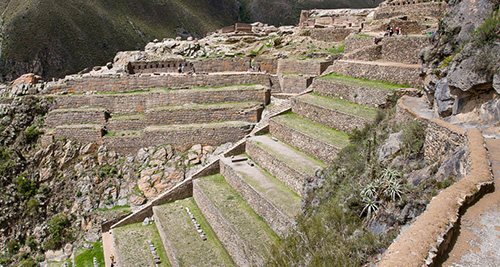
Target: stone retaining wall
column 127, row 83
column 295, row 84
column 305, row 143
column 331, row 34
column 335, row 119
column 221, row 65
column 186, row 115
column 396, row 48
column 180, row 138
column 279, row 222
column 267, row 65
column 292, row 178
column 133, row 103
column 232, row 242
column 403, row 49
column 76, row 116
column 441, row 138
column 164, row 240
column 309, row 67
column 83, row 133
column 356, row 94
column 133, row 123
column 394, row 73
column 435, row 10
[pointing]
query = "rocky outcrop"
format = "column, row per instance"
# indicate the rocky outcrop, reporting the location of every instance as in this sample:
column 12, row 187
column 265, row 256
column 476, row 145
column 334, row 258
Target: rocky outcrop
column 462, row 62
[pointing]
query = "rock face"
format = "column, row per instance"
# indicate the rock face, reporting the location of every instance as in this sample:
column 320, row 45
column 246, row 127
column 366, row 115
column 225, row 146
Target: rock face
column 462, row 62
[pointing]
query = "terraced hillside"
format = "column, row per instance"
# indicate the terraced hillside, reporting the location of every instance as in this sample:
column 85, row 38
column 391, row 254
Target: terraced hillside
column 255, row 194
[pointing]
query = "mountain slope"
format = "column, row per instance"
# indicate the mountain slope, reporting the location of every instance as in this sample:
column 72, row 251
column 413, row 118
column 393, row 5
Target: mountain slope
column 53, row 38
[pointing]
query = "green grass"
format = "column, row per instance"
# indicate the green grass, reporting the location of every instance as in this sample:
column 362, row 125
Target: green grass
column 306, row 163
column 250, row 226
column 340, row 105
column 334, row 77
column 364, row 35
column 86, row 258
column 313, row 129
column 189, row 248
column 337, row 50
column 124, row 208
column 132, row 248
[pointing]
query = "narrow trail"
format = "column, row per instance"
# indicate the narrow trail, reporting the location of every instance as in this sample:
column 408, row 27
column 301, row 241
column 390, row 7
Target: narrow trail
column 478, row 242
column 109, row 249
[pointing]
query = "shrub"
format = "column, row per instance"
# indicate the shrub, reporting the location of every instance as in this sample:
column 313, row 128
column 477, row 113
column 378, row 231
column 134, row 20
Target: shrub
column 13, row 246
column 413, row 139
column 488, row 31
column 32, row 206
column 60, row 232
column 32, row 134
column 25, row 186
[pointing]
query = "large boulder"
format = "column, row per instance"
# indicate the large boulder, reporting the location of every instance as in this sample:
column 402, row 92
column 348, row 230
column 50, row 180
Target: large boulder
column 496, row 82
column 443, row 98
column 390, row 147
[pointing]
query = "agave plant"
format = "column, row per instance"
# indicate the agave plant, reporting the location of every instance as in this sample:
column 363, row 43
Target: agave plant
column 370, row 191
column 389, row 173
column 393, row 189
column 371, row 207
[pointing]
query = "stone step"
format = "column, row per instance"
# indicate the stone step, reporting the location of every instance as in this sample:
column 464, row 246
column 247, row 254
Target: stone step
column 334, row 113
column 286, row 163
column 80, row 115
column 243, row 233
column 132, row 245
column 360, row 91
column 266, row 195
column 387, row 71
column 181, row 137
column 187, row 241
column 205, row 113
column 310, row 137
column 139, row 102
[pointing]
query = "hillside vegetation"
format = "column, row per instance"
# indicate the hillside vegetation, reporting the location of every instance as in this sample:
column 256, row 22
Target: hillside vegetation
column 54, row 38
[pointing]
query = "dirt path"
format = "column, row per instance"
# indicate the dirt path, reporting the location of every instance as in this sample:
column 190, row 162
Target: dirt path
column 107, row 246
column 478, row 243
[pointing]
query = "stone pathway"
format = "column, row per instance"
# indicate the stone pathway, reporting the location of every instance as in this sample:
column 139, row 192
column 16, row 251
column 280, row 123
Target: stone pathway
column 478, row 243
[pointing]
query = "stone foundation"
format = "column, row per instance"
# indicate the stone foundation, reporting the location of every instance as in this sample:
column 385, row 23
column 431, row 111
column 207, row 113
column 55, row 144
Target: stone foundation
column 435, row 10
column 83, row 133
column 307, row 67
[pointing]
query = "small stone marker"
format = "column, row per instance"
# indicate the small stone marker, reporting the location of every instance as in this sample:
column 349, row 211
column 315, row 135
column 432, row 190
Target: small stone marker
column 196, row 225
